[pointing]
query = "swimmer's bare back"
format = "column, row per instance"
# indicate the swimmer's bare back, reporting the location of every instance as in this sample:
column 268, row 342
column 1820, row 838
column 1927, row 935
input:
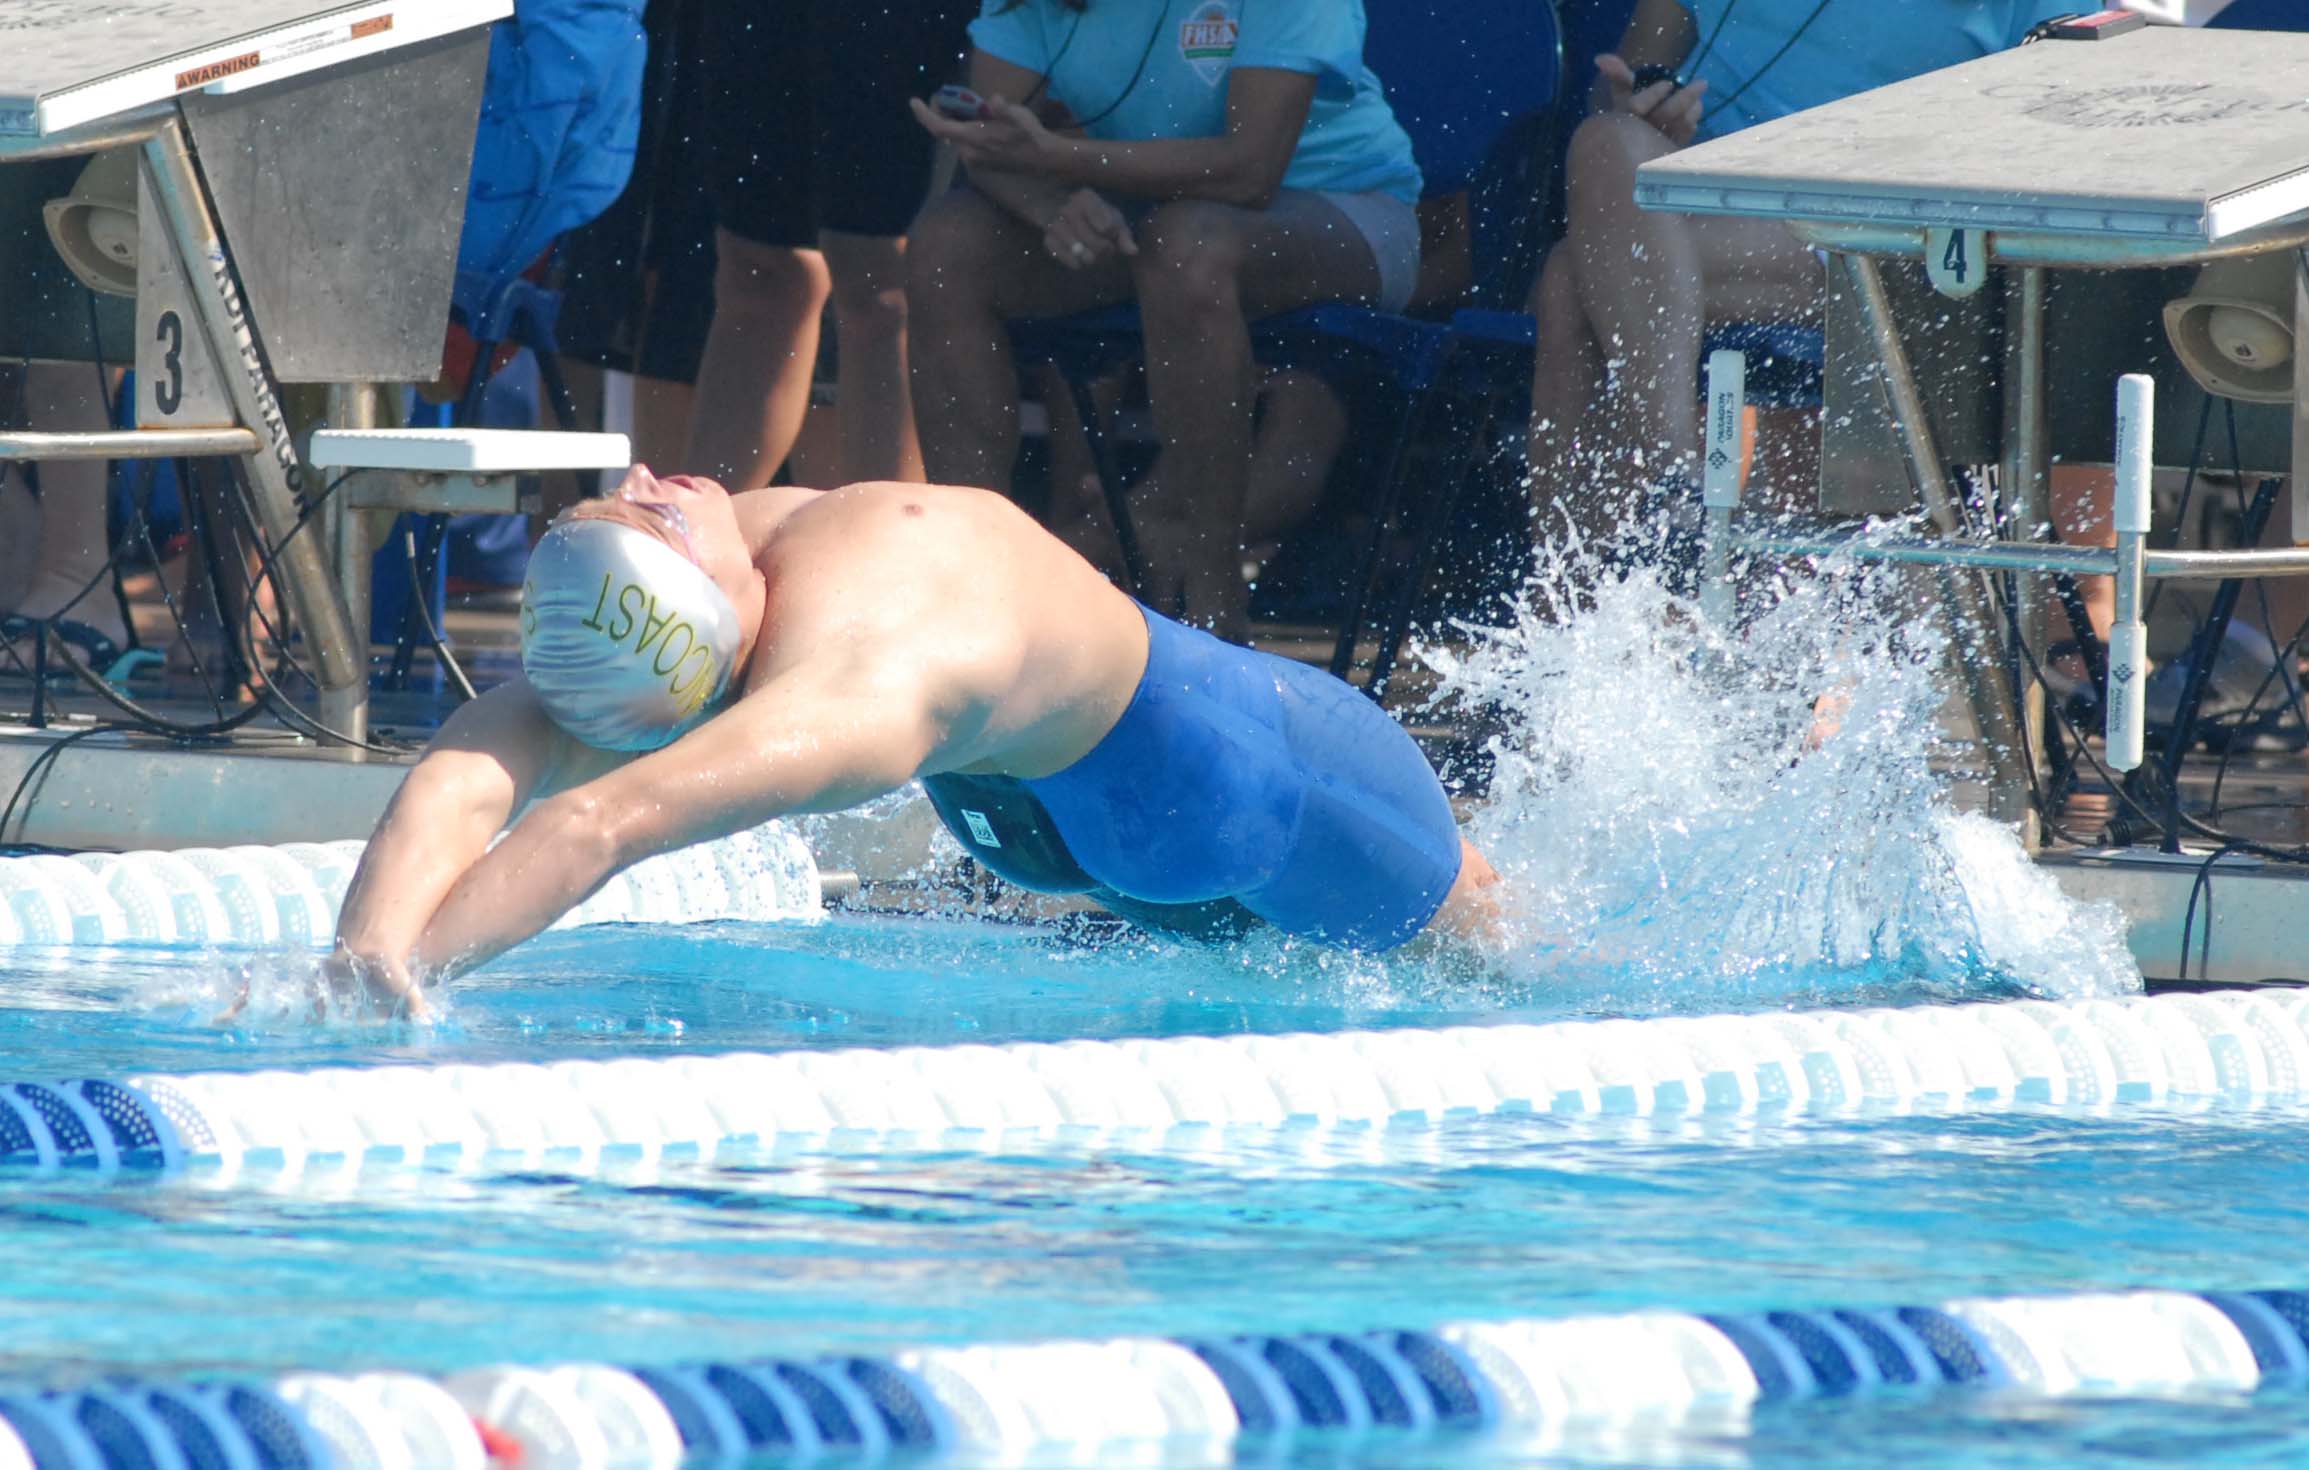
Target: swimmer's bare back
column 970, row 582
column 977, row 584
column 1039, row 654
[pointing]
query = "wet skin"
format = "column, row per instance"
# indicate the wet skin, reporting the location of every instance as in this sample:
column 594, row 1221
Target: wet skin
column 890, row 631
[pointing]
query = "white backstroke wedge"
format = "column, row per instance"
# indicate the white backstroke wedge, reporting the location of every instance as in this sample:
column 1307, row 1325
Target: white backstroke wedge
column 2225, row 1049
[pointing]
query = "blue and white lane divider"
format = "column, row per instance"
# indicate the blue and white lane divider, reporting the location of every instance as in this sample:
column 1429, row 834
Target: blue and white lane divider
column 2221, row 1049
column 290, row 894
column 1536, row 1380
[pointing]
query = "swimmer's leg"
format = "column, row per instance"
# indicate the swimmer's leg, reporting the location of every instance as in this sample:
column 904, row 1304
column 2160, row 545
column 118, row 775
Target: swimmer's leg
column 1470, row 915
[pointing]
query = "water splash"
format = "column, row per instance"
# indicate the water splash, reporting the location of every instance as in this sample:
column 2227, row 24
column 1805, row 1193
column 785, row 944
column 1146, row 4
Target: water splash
column 1679, row 829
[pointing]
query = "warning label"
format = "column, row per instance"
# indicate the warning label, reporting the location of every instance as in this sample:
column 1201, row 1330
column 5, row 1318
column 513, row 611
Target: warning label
column 217, row 71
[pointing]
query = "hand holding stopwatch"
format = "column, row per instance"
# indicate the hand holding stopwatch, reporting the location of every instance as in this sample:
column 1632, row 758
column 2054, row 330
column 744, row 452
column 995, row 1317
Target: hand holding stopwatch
column 959, row 103
column 1654, row 93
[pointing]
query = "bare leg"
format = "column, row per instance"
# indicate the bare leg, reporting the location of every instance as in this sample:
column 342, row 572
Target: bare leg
column 1302, row 425
column 1301, row 428
column 1078, row 514
column 1644, row 285
column 971, row 268
column 2083, row 498
column 663, row 411
column 75, row 546
column 754, row 380
column 1203, row 272
column 876, row 411
column 1567, row 381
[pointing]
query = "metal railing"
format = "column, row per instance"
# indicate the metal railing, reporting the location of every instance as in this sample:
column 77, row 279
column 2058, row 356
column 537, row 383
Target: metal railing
column 2131, row 562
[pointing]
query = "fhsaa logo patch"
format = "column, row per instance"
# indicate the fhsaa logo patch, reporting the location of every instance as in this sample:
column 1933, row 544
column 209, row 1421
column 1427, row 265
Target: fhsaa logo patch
column 1207, row 40
column 981, row 830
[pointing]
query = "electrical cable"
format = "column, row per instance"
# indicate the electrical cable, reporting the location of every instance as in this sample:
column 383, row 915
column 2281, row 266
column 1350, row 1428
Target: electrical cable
column 1769, row 62
column 2188, row 494
column 424, row 607
column 32, row 773
column 404, row 641
column 1041, row 87
column 1691, row 63
column 2174, row 816
column 111, row 417
column 269, row 698
column 110, row 565
column 142, row 520
column 268, row 690
column 2150, row 821
column 2202, row 883
column 2284, row 666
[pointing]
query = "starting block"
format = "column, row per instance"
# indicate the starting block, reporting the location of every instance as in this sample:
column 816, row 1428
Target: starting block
column 455, row 471
column 439, row 472
column 469, row 451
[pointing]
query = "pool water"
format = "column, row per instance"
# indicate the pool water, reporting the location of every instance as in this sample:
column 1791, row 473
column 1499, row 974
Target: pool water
column 1481, row 1217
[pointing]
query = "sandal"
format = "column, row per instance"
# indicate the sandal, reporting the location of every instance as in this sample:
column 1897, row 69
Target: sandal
column 112, row 663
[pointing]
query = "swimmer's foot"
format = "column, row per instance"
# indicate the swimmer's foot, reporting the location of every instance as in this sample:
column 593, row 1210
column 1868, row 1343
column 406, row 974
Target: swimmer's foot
column 231, row 1014
column 65, row 596
column 368, row 985
column 1828, row 712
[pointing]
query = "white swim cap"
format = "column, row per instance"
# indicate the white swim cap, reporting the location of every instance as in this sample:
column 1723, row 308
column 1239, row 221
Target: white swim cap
column 626, row 641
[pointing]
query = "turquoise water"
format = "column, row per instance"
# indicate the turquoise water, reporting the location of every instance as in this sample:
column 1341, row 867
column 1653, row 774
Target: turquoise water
column 1492, row 1217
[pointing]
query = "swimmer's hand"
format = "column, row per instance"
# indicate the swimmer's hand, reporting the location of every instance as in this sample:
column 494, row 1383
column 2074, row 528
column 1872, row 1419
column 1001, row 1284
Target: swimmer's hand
column 360, row 983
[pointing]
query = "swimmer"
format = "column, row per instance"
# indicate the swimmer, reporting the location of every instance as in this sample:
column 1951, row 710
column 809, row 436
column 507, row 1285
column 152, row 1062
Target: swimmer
column 696, row 663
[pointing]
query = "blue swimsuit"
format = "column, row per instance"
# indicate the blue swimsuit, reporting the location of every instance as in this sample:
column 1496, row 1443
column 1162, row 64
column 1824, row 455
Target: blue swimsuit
column 1236, row 787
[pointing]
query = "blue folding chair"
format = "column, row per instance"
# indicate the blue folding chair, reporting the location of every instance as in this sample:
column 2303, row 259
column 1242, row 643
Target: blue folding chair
column 1476, row 84
column 553, row 147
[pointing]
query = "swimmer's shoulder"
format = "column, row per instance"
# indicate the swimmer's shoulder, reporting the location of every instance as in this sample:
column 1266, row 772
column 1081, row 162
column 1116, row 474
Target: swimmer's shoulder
column 944, row 516
column 761, row 512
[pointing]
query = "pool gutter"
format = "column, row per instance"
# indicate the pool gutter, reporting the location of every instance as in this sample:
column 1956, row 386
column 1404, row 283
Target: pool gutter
column 114, row 792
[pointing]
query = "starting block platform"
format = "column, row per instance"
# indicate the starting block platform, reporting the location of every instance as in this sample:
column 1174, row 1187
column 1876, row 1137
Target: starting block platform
column 469, row 451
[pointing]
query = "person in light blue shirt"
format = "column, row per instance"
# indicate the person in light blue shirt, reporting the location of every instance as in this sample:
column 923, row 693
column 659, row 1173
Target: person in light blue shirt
column 1215, row 160
column 1846, row 47
column 1623, row 299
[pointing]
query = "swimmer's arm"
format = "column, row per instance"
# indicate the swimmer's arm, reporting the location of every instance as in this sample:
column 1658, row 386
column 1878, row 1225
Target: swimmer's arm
column 490, row 757
column 803, row 742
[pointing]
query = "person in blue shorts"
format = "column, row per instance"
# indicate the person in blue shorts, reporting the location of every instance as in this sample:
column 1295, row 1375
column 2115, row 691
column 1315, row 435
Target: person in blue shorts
column 696, row 662
column 1214, row 160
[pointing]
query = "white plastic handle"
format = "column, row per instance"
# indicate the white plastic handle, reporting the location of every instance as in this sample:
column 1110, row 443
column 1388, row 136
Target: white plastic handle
column 2136, row 428
column 1727, row 410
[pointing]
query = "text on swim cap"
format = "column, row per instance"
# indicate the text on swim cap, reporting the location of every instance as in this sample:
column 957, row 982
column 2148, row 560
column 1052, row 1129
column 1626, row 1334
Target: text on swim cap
column 687, row 665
